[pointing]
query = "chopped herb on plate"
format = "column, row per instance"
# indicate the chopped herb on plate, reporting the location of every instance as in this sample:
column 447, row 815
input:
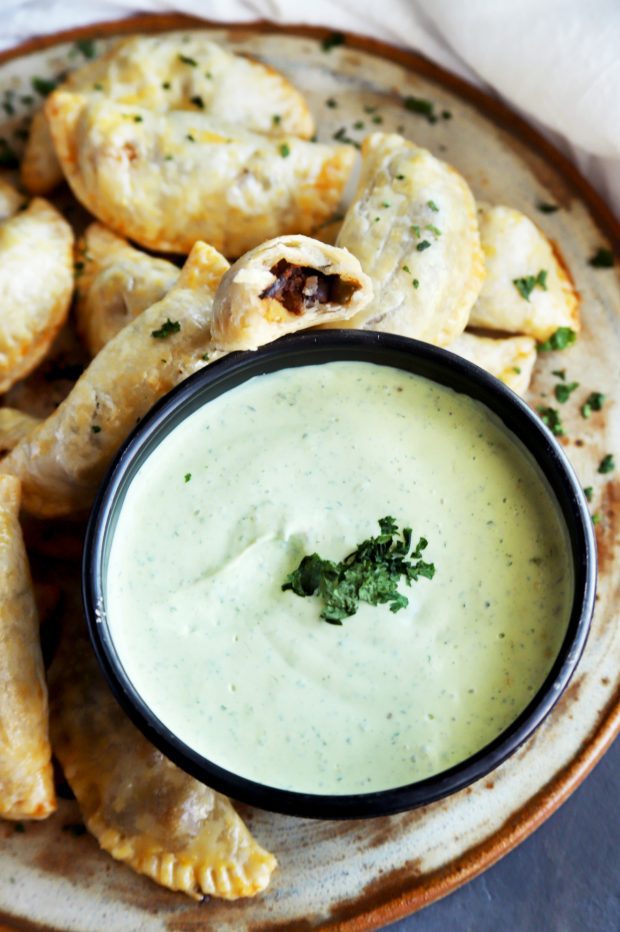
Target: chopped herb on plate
column 607, row 464
column 546, row 208
column 526, row 285
column 594, row 402
column 332, row 41
column 602, row 259
column 551, row 417
column 560, row 340
column 564, row 390
column 424, row 108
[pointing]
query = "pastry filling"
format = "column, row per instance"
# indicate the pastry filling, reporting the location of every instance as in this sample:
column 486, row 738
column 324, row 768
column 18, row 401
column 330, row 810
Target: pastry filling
column 299, row 288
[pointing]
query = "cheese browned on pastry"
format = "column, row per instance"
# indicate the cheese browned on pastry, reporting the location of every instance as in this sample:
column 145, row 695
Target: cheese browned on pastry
column 26, row 781
column 116, row 283
column 175, row 71
column 36, row 283
column 527, row 289
column 284, row 285
column 413, row 227
column 510, row 359
column 167, row 180
column 141, row 808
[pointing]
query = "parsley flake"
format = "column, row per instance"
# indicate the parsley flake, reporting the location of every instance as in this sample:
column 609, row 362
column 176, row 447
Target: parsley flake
column 197, row 101
column 560, row 373
column 285, row 150
column 433, row 206
column 331, row 103
column 276, row 119
column 607, row 464
column 377, row 119
column 95, row 429
column 602, row 259
column 588, row 492
column 424, row 108
column 167, row 328
column 86, row 47
column 564, row 390
column 187, row 477
column 596, row 518
column 560, row 340
column 138, row 118
column 433, row 229
column 331, row 41
column 188, row 61
column 546, row 208
column 369, row 574
column 190, row 138
column 415, row 283
column 423, row 245
column 594, row 402
column 551, row 418
column 526, row 285
column 43, row 86
column 416, row 230
column 166, row 85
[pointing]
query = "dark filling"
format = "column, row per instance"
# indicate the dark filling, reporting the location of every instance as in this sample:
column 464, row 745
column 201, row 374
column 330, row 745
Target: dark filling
column 299, row 287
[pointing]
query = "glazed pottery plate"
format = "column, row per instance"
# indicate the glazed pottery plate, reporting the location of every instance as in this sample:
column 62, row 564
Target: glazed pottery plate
column 364, row 874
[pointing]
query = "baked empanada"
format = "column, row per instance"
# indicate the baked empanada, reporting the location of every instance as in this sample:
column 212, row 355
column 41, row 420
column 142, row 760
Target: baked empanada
column 26, row 780
column 36, row 283
column 10, row 200
column 140, row 807
column 510, row 359
column 116, row 283
column 284, row 285
column 413, row 227
column 14, row 426
column 527, row 289
column 62, row 461
column 176, row 71
column 168, row 180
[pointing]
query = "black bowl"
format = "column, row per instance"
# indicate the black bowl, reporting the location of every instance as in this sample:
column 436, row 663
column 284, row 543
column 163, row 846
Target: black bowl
column 314, row 349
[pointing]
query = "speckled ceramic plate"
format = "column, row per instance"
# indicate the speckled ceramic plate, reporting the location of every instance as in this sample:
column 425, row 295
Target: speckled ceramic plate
column 361, row 875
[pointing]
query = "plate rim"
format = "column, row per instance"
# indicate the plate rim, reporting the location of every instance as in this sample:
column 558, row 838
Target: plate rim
column 410, row 893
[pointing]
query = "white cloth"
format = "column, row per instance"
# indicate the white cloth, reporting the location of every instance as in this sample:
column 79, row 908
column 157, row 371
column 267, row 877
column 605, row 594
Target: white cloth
column 557, row 62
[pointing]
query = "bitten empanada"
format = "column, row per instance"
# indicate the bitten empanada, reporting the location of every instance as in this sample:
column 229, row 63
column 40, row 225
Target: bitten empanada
column 116, row 283
column 36, row 283
column 527, row 289
column 510, row 359
column 169, row 179
column 140, row 807
column 26, row 780
column 63, row 460
column 14, row 426
column 284, row 285
column 175, row 71
column 413, row 227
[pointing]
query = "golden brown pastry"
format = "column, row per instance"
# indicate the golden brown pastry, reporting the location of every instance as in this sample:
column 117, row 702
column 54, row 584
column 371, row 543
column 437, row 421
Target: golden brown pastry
column 527, row 289
column 140, row 807
column 167, row 180
column 284, row 285
column 10, row 200
column 116, row 283
column 14, row 426
column 510, row 359
column 36, row 283
column 63, row 460
column 26, row 781
column 413, row 227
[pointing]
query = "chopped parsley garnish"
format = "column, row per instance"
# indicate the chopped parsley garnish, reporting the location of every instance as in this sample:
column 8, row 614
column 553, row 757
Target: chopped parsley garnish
column 415, row 283
column 433, row 229
column 416, row 230
column 276, row 119
column 188, row 61
column 187, row 476
column 552, row 419
column 446, row 114
column 607, row 464
column 433, row 206
column 86, row 47
column 385, row 204
column 516, row 370
column 95, row 429
column 138, row 118
column 359, row 124
column 341, row 136
column 560, row 373
column 369, row 109
column 424, row 108
column 602, row 259
column 331, row 41
column 43, row 86
column 377, row 119
column 596, row 518
column 406, row 269
column 331, row 103
column 285, row 150
column 546, row 208
column 526, row 285
column 588, row 492
column 400, row 177
column 97, row 86
column 168, row 158
column 423, row 245
column 167, row 328
column 190, row 138
column 370, row 574
column 197, row 101
column 594, row 402
column 205, row 357
column 560, row 340
column 564, row 390
column 166, row 85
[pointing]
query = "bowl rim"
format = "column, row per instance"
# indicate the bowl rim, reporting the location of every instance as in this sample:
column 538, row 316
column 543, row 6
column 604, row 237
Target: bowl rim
column 314, row 348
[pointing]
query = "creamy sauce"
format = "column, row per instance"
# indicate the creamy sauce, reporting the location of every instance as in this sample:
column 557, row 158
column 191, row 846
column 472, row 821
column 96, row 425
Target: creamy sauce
column 305, row 460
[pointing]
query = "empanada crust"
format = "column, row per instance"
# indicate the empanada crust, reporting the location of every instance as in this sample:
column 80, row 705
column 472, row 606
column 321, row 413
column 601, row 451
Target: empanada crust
column 509, row 359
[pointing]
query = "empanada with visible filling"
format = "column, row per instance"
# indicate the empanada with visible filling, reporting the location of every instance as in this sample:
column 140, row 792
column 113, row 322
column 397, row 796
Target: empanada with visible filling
column 510, row 359
column 36, row 283
column 14, row 426
column 413, row 227
column 116, row 283
column 516, row 252
column 63, row 460
column 140, row 807
column 26, row 780
column 175, row 71
column 286, row 284
column 168, row 180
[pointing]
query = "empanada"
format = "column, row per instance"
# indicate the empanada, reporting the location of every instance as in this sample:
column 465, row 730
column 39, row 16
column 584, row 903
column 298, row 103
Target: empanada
column 14, row 426
column 26, row 780
column 63, row 460
column 168, row 180
column 413, row 227
column 176, row 71
column 36, row 283
column 286, row 284
column 116, row 283
column 527, row 289
column 10, row 200
column 140, row 807
column 510, row 359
